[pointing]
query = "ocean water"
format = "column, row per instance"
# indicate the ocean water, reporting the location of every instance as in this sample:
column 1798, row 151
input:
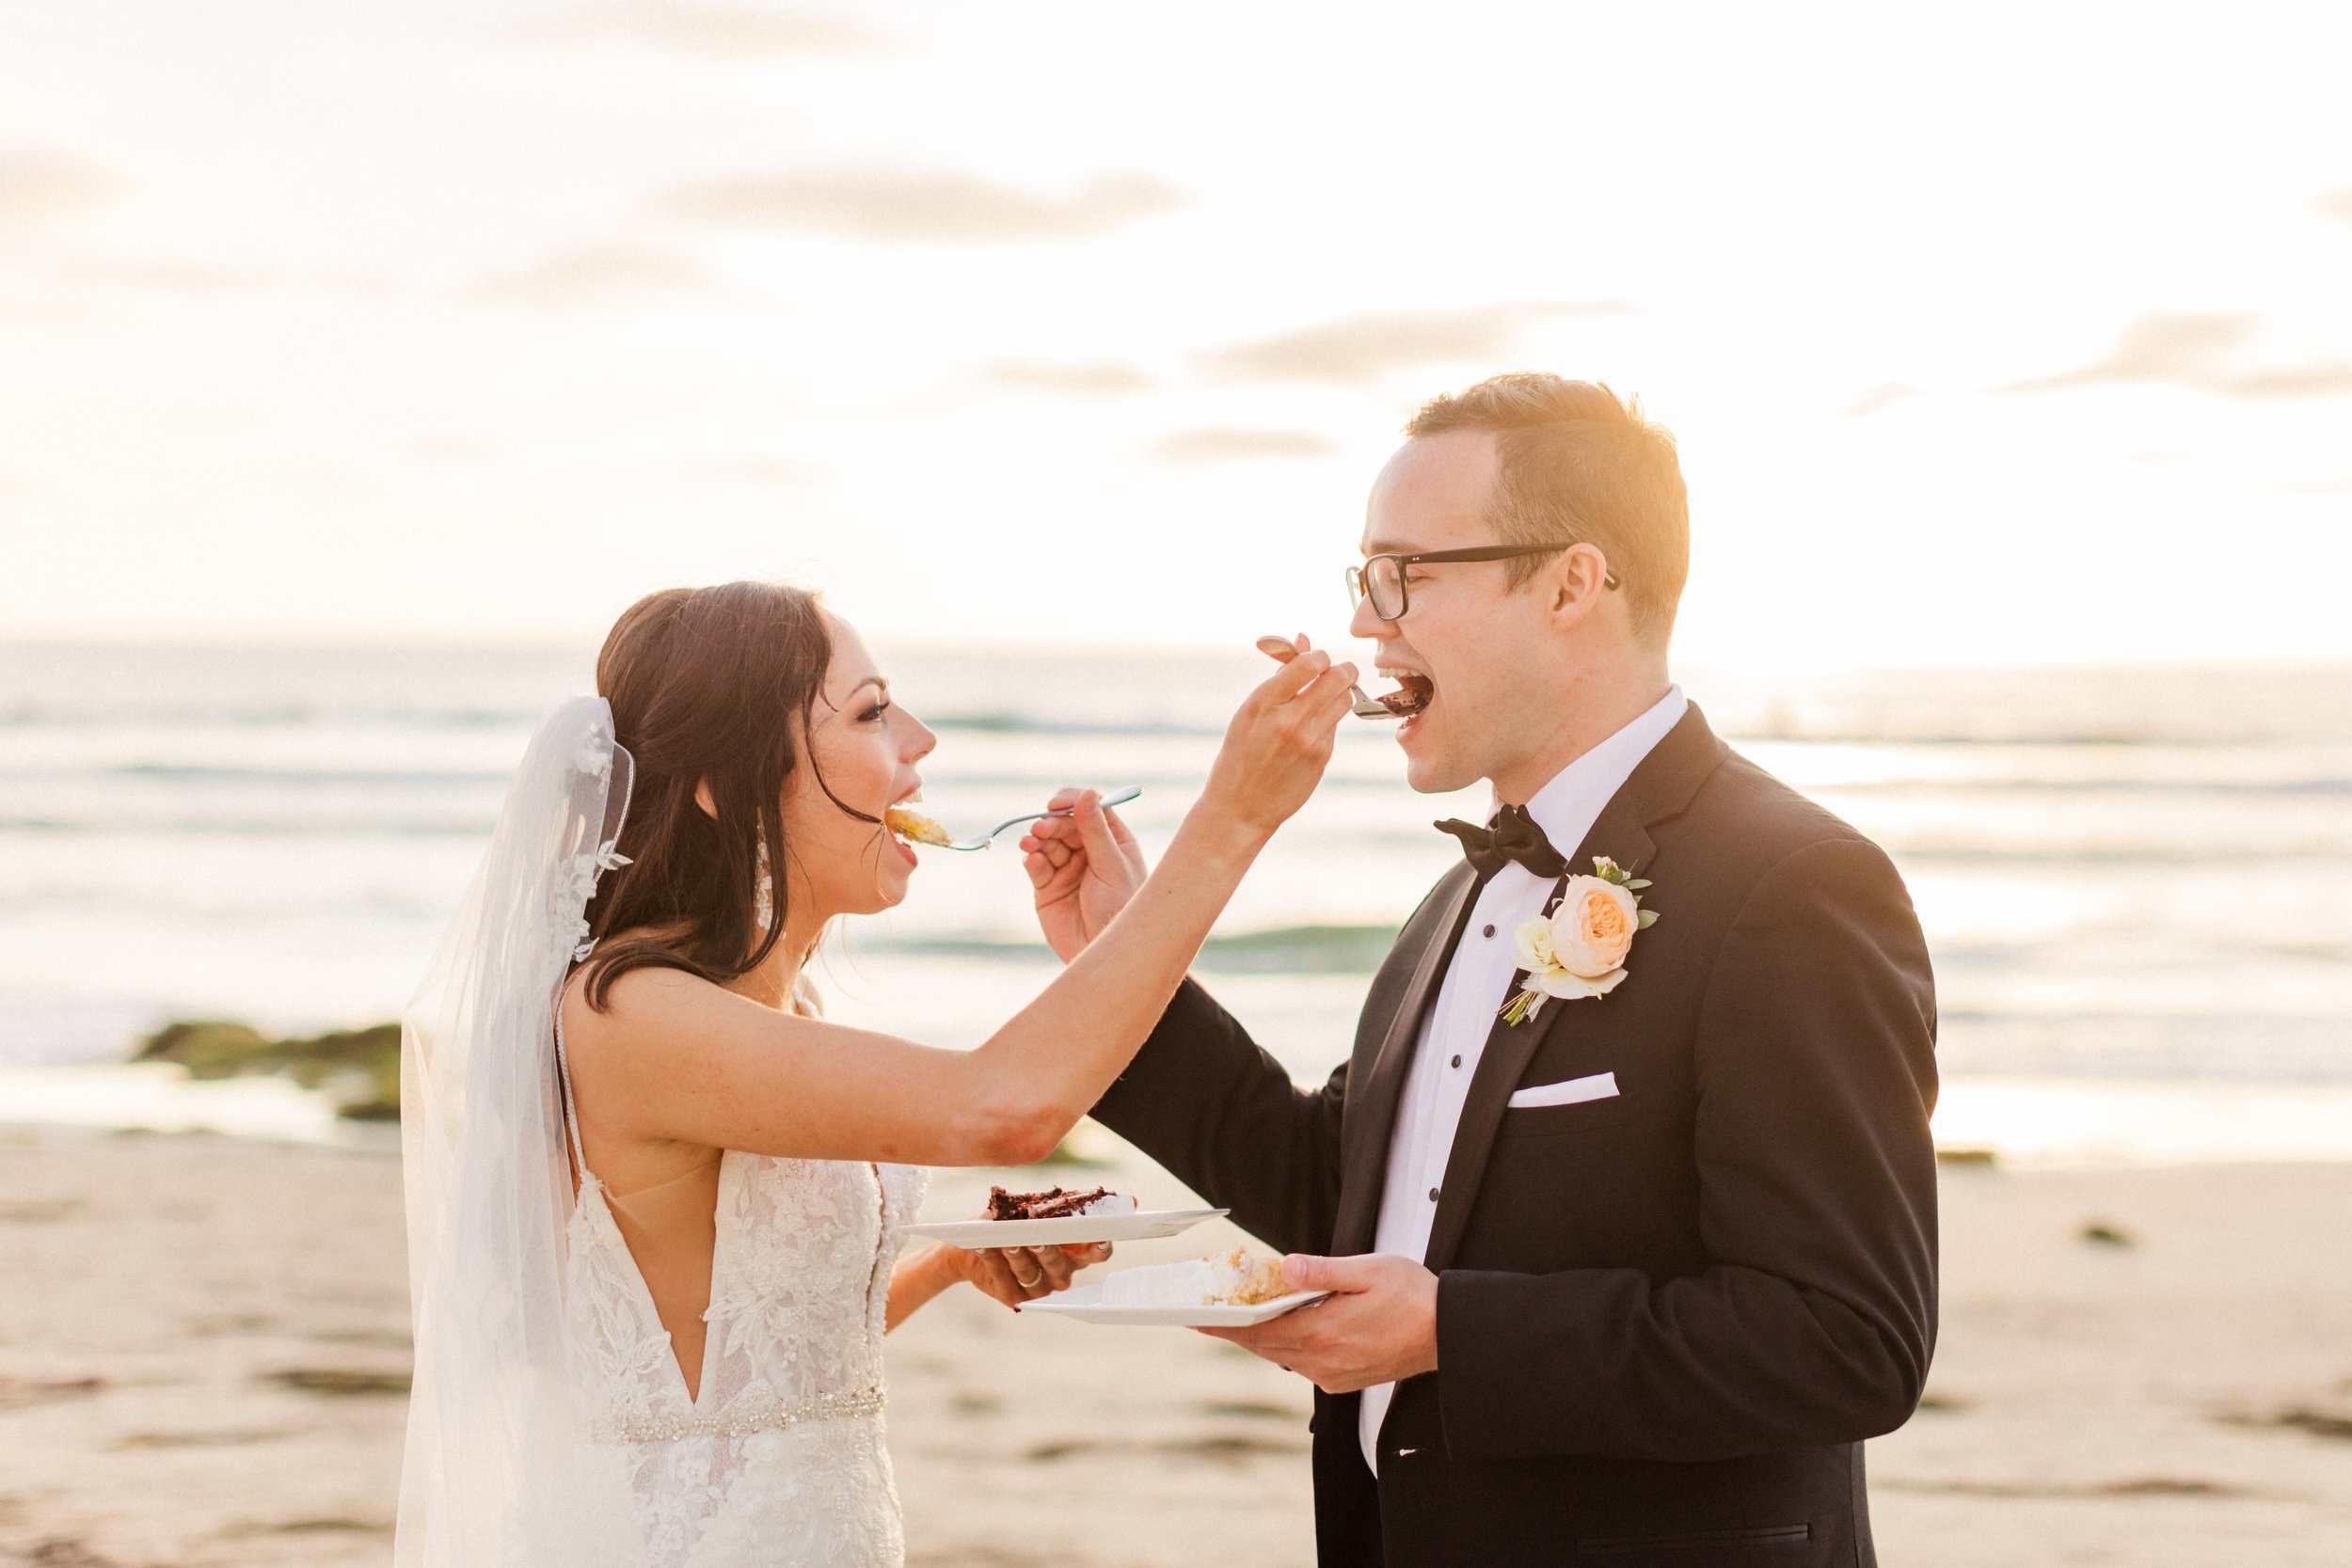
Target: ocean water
column 2136, row 885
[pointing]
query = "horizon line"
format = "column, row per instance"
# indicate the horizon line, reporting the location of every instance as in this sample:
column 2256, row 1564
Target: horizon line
column 2252, row 663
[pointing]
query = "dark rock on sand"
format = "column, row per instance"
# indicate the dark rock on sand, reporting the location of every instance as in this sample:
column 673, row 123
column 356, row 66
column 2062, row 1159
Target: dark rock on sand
column 358, row 1068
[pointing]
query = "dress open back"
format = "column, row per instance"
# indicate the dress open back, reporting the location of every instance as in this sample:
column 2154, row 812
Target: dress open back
column 778, row 1458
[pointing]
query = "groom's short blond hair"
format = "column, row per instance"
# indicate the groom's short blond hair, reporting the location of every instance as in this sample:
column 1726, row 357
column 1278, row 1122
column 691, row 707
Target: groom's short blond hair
column 1578, row 464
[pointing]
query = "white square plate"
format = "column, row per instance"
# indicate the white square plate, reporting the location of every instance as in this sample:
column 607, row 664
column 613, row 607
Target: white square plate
column 1163, row 1295
column 1070, row 1231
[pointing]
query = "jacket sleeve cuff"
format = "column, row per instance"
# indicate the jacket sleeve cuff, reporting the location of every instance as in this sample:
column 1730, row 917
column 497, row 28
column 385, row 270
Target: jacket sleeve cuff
column 1492, row 1327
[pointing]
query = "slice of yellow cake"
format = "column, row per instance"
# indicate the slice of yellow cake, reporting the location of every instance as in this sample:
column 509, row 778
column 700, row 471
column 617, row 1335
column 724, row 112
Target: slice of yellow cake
column 914, row 827
column 1243, row 1280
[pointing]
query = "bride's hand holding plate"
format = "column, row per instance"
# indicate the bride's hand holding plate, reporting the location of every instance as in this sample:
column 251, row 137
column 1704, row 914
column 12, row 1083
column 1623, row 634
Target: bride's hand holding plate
column 1015, row 1274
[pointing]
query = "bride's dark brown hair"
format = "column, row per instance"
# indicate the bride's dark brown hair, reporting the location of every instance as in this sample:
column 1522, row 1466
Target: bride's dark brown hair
column 710, row 686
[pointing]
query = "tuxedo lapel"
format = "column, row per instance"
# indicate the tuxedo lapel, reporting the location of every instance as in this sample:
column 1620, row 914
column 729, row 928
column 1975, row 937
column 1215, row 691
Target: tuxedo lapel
column 1659, row 788
column 1371, row 1115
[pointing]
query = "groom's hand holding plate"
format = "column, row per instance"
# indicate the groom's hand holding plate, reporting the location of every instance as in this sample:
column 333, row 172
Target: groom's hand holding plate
column 1379, row 1325
column 1232, row 1291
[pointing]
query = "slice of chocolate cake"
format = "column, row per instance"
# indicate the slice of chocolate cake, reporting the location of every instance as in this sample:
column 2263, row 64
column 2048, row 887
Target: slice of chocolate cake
column 1413, row 694
column 1053, row 1204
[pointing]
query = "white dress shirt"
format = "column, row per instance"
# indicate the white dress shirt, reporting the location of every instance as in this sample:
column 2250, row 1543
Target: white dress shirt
column 1476, row 984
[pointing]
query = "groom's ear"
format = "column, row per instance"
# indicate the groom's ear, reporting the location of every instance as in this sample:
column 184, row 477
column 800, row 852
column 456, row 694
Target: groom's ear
column 703, row 798
column 1578, row 580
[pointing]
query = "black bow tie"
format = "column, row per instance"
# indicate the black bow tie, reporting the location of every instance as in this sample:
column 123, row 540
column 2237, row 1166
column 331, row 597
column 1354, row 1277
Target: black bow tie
column 1514, row 836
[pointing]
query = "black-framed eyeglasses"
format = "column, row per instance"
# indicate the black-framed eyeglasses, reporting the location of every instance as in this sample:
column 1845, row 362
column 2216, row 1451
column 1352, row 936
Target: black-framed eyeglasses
column 1381, row 578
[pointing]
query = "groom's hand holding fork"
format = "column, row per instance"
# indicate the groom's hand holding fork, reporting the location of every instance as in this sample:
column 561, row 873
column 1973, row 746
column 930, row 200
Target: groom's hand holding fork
column 1378, row 1325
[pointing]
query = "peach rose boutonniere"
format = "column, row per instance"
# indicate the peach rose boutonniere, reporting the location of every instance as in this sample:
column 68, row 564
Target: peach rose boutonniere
column 1580, row 948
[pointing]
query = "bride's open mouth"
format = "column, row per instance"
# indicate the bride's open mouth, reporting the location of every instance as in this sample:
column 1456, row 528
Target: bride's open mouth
column 1414, row 692
column 908, row 826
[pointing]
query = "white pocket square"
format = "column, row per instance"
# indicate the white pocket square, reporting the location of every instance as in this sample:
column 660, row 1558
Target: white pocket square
column 1571, row 1091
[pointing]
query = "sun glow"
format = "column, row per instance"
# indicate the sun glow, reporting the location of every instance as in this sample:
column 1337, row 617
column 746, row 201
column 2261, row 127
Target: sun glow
column 2006, row 361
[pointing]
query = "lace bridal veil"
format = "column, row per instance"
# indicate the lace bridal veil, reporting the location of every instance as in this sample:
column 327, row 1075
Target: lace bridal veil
column 498, row 1469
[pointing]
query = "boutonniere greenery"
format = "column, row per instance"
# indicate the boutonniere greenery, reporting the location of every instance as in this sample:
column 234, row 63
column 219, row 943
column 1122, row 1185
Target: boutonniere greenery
column 1580, row 948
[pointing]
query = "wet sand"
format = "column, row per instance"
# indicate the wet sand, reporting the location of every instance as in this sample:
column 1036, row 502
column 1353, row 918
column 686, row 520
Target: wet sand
column 203, row 1344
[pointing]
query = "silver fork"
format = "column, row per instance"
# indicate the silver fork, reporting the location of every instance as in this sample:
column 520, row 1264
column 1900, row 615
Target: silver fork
column 982, row 842
column 1282, row 652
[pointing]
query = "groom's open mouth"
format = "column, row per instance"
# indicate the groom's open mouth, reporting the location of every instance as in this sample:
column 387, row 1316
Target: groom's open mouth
column 1414, row 691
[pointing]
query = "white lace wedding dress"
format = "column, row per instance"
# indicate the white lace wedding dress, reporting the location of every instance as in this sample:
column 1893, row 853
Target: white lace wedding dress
column 779, row 1460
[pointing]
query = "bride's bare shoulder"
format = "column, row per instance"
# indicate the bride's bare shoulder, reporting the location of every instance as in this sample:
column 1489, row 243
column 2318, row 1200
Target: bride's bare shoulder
column 642, row 1002
column 658, row 1012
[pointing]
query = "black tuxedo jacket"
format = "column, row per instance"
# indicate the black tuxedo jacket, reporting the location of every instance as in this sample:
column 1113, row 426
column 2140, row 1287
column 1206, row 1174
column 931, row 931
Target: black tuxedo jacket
column 1666, row 1321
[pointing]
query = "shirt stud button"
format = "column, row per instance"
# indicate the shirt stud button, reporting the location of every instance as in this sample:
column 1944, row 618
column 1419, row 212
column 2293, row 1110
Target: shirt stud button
column 1432, row 1194
column 1457, row 1061
column 1490, row 930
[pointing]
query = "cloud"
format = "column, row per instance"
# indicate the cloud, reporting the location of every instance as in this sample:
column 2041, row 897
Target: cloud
column 1885, row 395
column 450, row 451
column 763, row 472
column 193, row 278
column 1361, row 349
column 1231, row 446
column 917, row 205
column 2189, row 349
column 326, row 485
column 600, row 277
column 1102, row 380
column 720, row 32
column 2336, row 204
column 170, row 275
column 2320, row 378
column 49, row 312
column 38, row 183
column 2161, row 347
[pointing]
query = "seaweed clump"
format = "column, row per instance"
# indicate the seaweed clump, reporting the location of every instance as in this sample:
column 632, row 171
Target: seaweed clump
column 357, row 1069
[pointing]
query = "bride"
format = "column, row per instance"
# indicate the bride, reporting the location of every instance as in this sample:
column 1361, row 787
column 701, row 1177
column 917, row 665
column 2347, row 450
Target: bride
column 656, row 1203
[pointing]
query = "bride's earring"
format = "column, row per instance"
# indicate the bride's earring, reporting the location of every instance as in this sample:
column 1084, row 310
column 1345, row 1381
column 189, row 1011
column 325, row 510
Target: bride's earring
column 764, row 896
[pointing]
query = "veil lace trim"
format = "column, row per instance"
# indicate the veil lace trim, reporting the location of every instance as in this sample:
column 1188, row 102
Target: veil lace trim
column 498, row 1468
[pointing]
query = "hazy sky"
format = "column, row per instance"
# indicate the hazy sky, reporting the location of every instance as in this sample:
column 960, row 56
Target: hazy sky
column 2011, row 333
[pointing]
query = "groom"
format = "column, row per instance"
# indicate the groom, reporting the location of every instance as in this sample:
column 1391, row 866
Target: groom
column 1634, row 1278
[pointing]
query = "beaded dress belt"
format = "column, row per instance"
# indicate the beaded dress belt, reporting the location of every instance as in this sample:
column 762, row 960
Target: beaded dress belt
column 765, row 1415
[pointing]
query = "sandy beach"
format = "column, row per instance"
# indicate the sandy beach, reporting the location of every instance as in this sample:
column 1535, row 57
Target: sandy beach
column 203, row 1344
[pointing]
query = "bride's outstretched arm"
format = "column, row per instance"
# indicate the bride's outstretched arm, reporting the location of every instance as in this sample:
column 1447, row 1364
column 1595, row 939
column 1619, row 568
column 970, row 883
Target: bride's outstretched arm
column 682, row 1059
